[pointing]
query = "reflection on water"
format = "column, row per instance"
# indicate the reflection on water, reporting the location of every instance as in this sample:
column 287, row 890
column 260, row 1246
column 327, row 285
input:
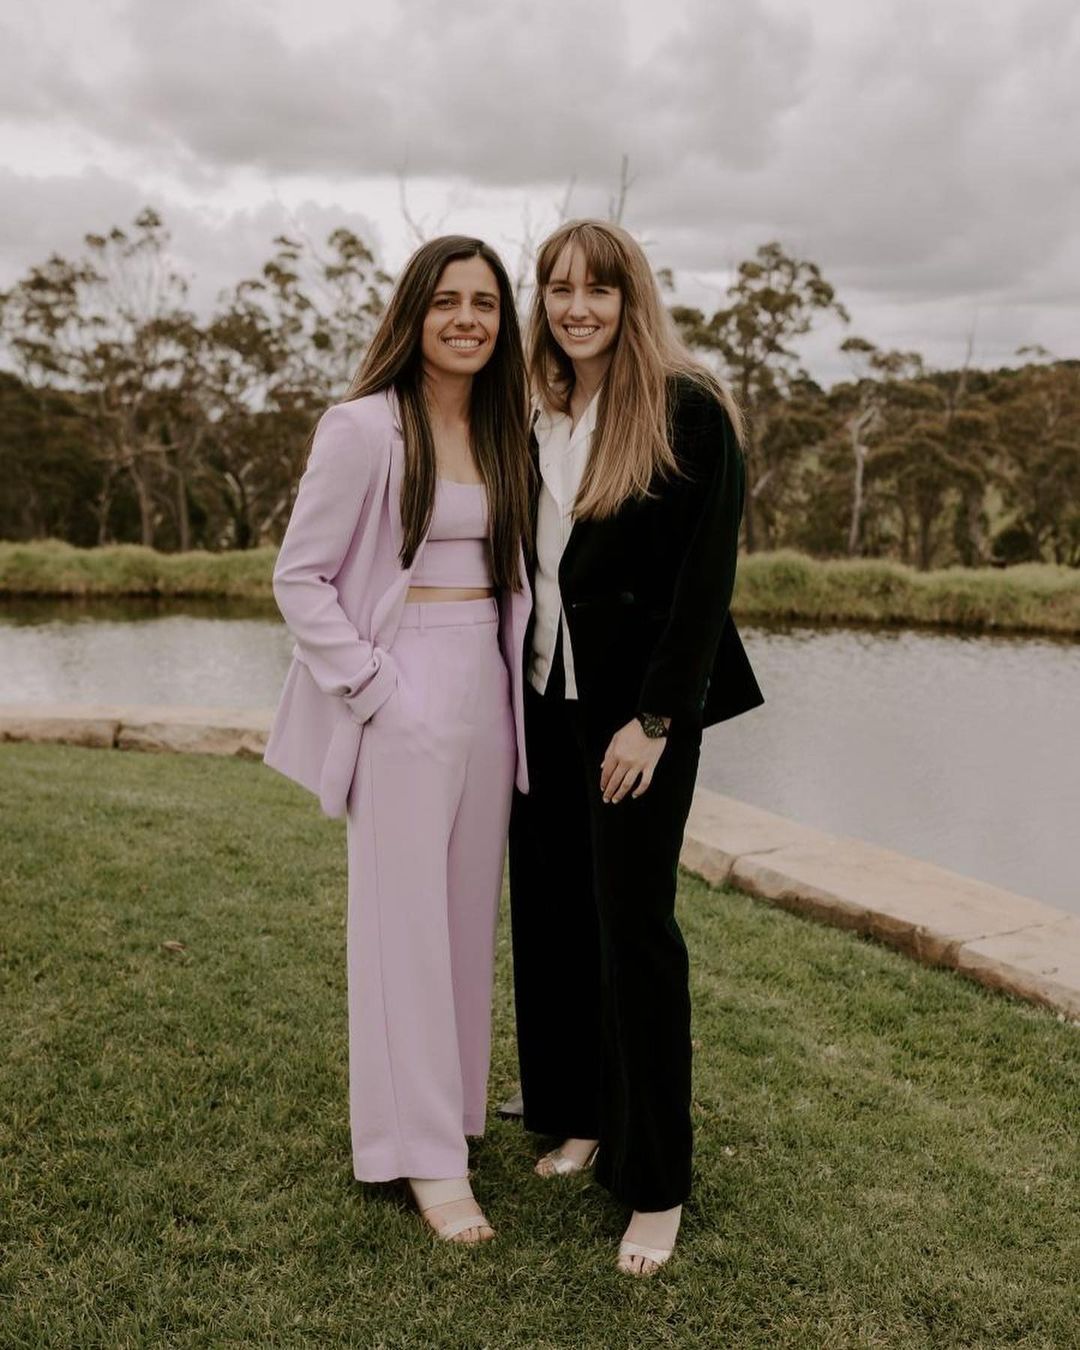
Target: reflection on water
column 142, row 651
column 59, row 612
column 957, row 749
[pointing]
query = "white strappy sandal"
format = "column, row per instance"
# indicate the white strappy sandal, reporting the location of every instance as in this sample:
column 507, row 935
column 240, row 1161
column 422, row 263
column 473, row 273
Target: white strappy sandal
column 432, row 1194
column 559, row 1165
column 658, row 1255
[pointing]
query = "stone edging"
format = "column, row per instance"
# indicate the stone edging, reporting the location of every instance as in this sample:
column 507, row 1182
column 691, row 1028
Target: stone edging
column 199, row 731
column 1005, row 941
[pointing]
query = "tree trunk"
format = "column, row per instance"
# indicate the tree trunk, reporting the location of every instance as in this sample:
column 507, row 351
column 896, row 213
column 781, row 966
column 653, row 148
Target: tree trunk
column 145, row 502
column 750, row 453
column 103, row 505
column 749, row 522
column 972, row 537
column 857, row 426
column 183, row 516
column 926, row 547
column 905, row 533
column 856, row 500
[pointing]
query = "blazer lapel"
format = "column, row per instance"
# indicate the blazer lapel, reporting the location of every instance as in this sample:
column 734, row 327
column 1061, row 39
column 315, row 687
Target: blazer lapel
column 396, row 474
column 573, row 543
column 394, row 481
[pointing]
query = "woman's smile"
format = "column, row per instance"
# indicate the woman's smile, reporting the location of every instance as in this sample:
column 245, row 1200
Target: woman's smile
column 462, row 323
column 583, row 312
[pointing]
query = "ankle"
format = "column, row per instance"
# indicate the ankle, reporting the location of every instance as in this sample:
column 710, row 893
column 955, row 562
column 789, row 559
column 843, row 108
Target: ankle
column 430, row 1192
column 655, row 1227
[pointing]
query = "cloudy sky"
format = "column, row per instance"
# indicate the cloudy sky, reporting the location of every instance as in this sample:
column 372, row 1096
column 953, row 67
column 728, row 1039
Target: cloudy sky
column 926, row 153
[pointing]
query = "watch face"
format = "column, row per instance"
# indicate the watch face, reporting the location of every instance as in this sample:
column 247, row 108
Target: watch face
column 652, row 726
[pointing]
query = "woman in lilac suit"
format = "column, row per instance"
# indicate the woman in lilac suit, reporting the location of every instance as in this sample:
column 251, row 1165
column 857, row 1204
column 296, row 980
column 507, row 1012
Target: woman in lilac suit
column 401, row 577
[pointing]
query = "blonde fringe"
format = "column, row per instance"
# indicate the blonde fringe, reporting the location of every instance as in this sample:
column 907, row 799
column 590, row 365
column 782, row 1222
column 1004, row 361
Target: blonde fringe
column 632, row 445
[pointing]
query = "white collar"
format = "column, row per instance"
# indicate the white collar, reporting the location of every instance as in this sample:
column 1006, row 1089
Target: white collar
column 549, row 418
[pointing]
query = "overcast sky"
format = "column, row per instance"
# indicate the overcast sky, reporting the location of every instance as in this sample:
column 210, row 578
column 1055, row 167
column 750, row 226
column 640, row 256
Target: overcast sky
column 926, row 153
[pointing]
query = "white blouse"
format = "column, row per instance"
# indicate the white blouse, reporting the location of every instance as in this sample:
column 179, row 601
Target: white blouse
column 563, row 457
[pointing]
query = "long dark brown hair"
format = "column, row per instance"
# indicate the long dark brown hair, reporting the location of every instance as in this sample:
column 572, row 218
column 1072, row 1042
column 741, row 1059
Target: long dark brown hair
column 634, row 443
column 498, row 405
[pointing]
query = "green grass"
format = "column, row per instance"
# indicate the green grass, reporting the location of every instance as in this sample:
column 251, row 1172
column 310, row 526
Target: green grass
column 886, row 1155
column 55, row 568
column 1034, row 597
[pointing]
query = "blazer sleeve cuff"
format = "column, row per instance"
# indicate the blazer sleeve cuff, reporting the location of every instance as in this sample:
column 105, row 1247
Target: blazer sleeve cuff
column 364, row 704
column 665, row 699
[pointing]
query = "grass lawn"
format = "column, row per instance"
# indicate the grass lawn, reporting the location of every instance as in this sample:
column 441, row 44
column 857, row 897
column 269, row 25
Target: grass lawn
column 886, row 1155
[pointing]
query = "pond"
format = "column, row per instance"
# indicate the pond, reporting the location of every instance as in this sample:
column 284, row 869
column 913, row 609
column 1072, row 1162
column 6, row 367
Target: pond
column 961, row 750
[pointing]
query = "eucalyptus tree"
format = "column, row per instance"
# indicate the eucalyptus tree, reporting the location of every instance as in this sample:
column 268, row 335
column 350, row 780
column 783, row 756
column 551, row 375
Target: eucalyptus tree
column 873, row 409
column 281, row 347
column 48, row 483
column 1038, row 413
column 111, row 332
column 774, row 300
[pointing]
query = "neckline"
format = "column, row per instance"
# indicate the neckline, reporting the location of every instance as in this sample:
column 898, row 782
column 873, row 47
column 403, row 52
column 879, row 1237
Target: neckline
column 588, row 414
column 458, row 482
column 587, row 420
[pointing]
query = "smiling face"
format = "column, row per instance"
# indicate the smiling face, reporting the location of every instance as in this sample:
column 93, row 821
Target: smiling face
column 462, row 322
column 582, row 312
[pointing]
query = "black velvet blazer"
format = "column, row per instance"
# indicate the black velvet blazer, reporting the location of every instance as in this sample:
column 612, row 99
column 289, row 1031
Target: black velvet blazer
column 647, row 590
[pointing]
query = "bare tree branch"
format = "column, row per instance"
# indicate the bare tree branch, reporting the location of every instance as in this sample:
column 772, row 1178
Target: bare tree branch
column 617, row 205
column 416, row 228
column 562, row 208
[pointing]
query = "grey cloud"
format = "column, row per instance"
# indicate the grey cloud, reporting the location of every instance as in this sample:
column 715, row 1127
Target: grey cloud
column 42, row 216
column 22, row 86
column 212, row 250
column 926, row 158
column 509, row 93
column 438, row 98
column 922, row 153
column 925, row 147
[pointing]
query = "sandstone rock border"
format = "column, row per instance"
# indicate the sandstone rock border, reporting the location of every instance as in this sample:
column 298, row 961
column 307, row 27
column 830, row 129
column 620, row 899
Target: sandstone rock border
column 198, row 731
column 1005, row 941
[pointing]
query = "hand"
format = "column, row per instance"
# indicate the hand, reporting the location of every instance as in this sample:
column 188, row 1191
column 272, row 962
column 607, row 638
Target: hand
column 630, row 758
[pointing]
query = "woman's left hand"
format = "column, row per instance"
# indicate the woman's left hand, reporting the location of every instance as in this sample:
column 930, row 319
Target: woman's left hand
column 631, row 756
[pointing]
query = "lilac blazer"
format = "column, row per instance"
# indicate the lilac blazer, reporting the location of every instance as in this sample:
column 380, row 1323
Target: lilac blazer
column 340, row 586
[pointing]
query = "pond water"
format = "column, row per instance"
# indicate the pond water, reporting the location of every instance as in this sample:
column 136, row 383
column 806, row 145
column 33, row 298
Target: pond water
column 961, row 750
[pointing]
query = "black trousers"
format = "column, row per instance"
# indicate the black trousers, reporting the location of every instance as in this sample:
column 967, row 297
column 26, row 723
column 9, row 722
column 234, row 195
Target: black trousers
column 600, row 966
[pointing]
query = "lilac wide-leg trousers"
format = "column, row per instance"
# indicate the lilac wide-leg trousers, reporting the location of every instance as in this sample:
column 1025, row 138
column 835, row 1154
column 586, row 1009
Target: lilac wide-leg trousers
column 427, row 823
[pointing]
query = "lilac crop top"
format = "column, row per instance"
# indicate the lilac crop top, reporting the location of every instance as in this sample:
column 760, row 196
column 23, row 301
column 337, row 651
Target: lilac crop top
column 456, row 552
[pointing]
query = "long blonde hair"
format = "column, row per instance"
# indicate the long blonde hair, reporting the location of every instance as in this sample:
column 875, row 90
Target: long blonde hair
column 632, row 439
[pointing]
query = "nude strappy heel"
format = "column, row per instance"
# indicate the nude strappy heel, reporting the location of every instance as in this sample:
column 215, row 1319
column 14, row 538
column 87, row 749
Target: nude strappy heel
column 430, row 1195
column 656, row 1254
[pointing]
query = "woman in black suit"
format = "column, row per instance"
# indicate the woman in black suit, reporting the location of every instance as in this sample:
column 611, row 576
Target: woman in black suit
column 632, row 651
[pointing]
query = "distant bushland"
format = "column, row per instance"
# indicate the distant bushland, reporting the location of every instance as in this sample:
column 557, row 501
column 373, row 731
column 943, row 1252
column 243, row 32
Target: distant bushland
column 783, row 586
column 127, row 418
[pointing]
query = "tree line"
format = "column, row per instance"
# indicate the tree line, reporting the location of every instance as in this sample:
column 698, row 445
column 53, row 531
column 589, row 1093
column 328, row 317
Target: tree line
column 126, row 418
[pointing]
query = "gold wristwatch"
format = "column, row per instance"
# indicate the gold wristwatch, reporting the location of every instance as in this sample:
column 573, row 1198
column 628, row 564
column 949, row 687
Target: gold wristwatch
column 652, row 726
